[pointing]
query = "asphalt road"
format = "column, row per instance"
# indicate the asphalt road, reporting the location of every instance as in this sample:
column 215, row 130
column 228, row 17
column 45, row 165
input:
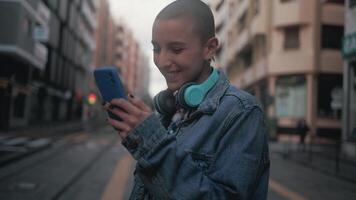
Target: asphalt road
column 92, row 165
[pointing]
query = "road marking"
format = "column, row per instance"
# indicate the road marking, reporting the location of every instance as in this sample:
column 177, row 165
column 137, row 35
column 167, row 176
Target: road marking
column 283, row 191
column 116, row 188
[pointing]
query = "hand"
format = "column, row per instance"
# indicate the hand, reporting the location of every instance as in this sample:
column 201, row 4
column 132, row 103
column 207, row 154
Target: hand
column 132, row 112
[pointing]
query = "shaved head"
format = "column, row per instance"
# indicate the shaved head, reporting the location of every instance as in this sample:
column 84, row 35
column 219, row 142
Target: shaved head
column 194, row 10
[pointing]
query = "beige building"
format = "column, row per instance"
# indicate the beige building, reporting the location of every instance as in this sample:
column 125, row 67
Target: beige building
column 116, row 46
column 286, row 53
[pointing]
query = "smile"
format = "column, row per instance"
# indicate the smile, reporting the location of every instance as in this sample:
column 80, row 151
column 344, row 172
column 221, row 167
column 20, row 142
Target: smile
column 172, row 75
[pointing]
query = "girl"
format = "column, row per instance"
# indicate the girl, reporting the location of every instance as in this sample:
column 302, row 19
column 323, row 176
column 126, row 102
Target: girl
column 208, row 139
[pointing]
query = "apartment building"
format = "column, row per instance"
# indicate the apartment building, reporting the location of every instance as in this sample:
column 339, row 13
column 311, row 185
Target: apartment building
column 45, row 51
column 286, row 53
column 116, row 46
column 349, row 54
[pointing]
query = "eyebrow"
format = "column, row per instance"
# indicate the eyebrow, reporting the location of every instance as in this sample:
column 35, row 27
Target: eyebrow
column 175, row 43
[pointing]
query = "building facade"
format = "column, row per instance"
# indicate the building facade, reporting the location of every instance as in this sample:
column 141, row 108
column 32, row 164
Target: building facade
column 45, row 53
column 116, row 46
column 286, row 53
column 349, row 103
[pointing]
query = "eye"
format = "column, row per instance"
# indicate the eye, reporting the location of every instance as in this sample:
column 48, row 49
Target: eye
column 156, row 49
column 177, row 50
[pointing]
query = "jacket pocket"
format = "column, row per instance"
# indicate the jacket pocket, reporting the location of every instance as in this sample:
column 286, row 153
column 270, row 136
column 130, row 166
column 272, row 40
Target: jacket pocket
column 201, row 160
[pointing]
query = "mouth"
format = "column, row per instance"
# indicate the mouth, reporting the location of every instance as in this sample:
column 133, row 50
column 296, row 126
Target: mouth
column 172, row 75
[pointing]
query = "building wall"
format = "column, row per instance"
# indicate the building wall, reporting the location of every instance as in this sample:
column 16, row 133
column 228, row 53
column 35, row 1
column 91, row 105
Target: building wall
column 53, row 75
column 116, row 46
column 289, row 76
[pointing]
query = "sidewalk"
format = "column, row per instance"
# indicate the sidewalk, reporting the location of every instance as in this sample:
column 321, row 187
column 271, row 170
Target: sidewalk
column 21, row 142
column 305, row 182
column 325, row 158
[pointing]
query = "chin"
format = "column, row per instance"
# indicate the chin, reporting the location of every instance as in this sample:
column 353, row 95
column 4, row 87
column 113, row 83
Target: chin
column 174, row 87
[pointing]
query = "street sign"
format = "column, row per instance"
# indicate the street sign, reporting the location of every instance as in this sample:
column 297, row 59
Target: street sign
column 349, row 46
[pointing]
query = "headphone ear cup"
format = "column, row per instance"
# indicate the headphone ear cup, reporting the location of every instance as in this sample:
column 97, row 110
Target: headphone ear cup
column 164, row 103
column 180, row 96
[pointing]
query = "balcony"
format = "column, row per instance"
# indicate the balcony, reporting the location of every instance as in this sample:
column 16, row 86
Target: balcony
column 331, row 61
column 21, row 36
column 293, row 12
column 252, row 74
column 238, row 44
column 89, row 16
column 261, row 69
column 280, row 62
column 259, row 22
column 242, row 8
column 332, row 14
column 221, row 15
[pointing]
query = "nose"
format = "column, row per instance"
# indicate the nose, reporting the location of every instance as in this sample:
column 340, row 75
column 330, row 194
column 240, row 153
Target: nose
column 162, row 59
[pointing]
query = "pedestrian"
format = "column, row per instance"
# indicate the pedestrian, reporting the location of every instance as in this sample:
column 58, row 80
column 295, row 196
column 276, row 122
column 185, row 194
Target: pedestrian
column 207, row 139
column 302, row 129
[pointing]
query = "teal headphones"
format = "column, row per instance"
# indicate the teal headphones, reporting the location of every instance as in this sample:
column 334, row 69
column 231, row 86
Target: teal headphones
column 189, row 96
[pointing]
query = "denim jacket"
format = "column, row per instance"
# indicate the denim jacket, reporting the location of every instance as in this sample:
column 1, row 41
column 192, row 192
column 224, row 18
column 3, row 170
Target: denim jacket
column 219, row 152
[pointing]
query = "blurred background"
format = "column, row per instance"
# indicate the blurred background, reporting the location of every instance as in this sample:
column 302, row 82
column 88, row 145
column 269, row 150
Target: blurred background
column 297, row 57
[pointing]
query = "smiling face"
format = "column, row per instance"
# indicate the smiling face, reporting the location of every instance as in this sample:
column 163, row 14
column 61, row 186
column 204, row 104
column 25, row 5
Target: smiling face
column 179, row 52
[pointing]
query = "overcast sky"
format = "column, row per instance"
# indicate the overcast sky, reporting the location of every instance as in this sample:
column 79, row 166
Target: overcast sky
column 139, row 16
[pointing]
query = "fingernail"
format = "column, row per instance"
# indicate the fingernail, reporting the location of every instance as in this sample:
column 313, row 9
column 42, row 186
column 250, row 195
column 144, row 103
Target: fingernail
column 111, row 107
column 131, row 96
column 103, row 103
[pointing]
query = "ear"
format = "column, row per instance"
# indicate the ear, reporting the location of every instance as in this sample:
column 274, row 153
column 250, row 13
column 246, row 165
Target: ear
column 210, row 48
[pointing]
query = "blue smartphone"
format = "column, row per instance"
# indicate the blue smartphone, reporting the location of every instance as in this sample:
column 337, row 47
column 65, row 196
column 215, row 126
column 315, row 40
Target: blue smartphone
column 109, row 84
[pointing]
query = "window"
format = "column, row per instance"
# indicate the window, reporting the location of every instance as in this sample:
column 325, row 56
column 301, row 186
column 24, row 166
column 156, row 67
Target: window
column 291, row 37
column 335, row 1
column 246, row 57
column 242, row 22
column 284, row 1
column 291, row 96
column 330, row 96
column 331, row 36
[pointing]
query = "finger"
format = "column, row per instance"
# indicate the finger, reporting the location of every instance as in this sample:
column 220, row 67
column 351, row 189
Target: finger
column 139, row 103
column 105, row 105
column 127, row 118
column 119, row 126
column 125, row 106
column 122, row 135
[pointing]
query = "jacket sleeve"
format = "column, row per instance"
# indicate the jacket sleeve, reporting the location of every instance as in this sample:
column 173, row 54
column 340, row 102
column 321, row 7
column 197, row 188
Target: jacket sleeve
column 238, row 169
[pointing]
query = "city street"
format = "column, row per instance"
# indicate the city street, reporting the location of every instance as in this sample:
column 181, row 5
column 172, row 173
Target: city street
column 92, row 164
column 291, row 180
column 297, row 58
column 80, row 165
